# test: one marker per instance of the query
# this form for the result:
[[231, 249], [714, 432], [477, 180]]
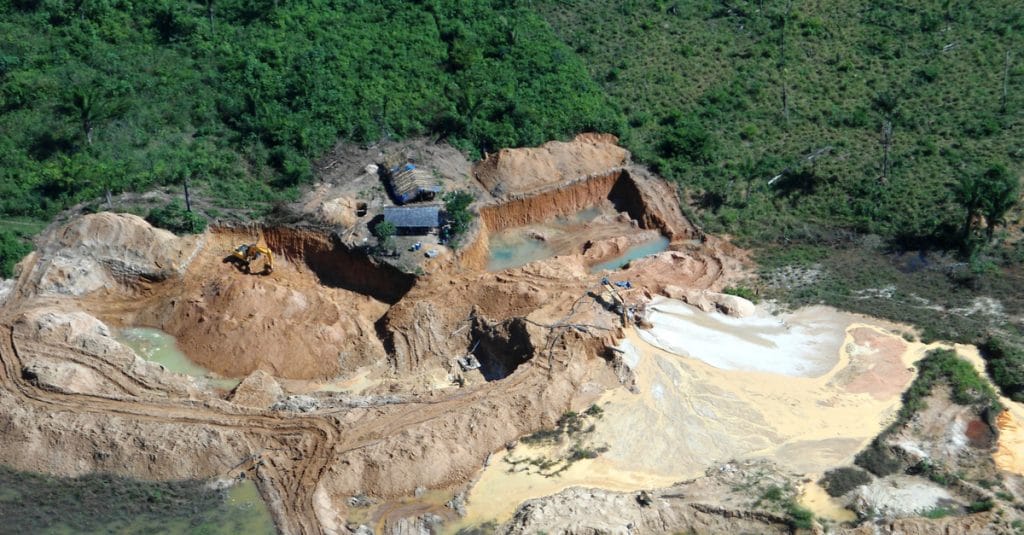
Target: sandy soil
[[353, 384], [515, 171], [687, 409]]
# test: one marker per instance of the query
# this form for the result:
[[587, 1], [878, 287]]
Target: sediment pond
[[157, 346]]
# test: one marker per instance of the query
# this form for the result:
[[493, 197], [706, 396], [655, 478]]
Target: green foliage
[[456, 206], [103, 503], [980, 506], [799, 517], [742, 291], [938, 367], [878, 460], [839, 481], [1005, 363], [938, 512], [384, 230], [176, 219], [990, 194], [385, 233], [126, 96], [13, 247], [944, 366], [709, 111], [772, 494]]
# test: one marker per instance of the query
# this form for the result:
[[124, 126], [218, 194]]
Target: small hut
[[407, 183]]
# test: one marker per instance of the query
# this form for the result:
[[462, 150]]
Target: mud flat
[[801, 344], [689, 415]]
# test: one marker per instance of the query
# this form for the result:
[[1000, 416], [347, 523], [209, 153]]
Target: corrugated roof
[[427, 216]]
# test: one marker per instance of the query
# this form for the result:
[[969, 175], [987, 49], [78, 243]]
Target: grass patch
[[938, 512], [110, 504], [1004, 361]]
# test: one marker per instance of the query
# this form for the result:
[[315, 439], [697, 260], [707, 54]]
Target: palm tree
[[83, 103], [1001, 192], [970, 194]]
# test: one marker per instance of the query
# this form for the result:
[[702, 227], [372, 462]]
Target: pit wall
[[333, 262], [648, 200]]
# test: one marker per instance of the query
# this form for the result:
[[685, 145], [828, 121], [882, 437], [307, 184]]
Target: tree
[[968, 193], [990, 194], [456, 205], [385, 233], [1000, 193], [12, 249]]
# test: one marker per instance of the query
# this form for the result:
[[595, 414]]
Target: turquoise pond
[[639, 250], [157, 346]]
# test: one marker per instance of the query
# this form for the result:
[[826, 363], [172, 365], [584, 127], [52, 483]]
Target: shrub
[[456, 205], [842, 480], [384, 230], [12, 249], [385, 233], [878, 460], [800, 517], [980, 506], [1005, 364], [742, 291], [176, 219]]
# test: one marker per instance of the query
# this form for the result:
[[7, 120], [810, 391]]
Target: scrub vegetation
[[110, 504]]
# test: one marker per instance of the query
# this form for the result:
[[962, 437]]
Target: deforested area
[[511, 267]]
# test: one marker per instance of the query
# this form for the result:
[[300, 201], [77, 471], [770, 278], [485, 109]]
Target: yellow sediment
[[689, 416], [813, 497], [1009, 455]]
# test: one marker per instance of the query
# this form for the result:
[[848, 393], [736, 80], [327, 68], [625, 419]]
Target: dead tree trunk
[[782, 62], [1006, 82], [886, 145], [188, 197]]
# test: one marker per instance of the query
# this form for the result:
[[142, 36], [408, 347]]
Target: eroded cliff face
[[651, 203]]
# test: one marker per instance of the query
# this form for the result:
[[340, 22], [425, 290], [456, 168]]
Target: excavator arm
[[247, 253]]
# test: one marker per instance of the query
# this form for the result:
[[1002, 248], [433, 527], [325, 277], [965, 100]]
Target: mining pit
[[361, 392]]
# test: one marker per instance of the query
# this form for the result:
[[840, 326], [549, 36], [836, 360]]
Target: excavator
[[247, 253]]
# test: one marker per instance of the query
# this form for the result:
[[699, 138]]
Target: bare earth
[[352, 391]]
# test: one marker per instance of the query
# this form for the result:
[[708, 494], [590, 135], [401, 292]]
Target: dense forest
[[240, 96]]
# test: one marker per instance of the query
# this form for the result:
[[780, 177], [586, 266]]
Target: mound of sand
[[516, 171], [105, 249], [264, 323]]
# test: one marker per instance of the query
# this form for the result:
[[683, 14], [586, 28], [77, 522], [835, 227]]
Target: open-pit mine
[[572, 366]]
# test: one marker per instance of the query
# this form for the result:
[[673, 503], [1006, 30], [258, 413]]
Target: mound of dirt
[[516, 171], [234, 325], [104, 250]]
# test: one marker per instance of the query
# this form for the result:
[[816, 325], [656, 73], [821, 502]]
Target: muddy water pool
[[157, 346], [639, 250], [519, 246]]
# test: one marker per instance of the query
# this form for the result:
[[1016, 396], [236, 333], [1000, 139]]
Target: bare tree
[[782, 61], [1006, 82]]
